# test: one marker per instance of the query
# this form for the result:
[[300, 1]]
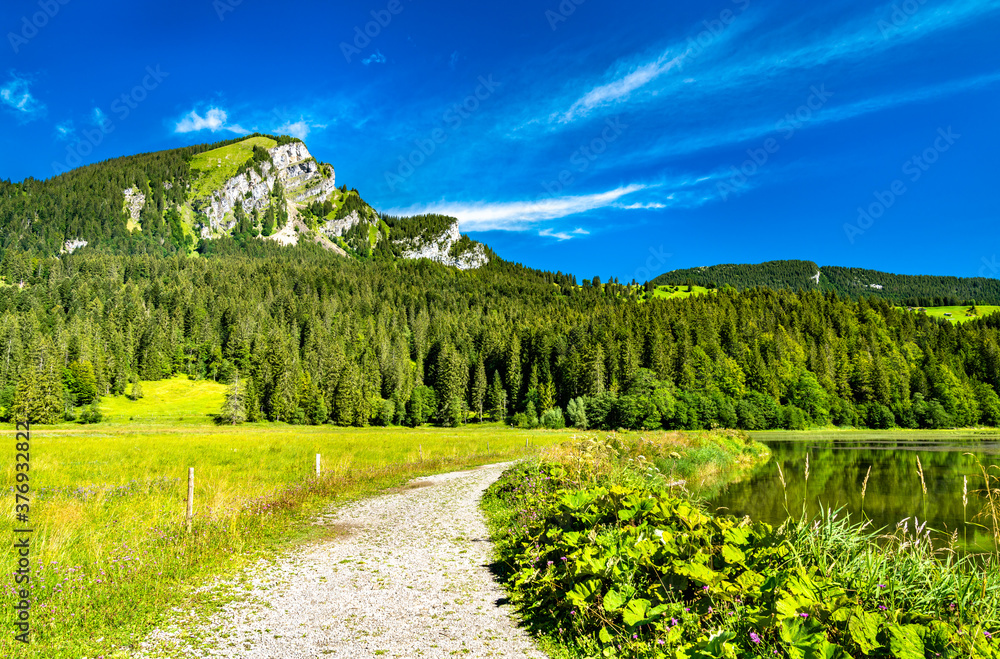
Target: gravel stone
[[409, 579]]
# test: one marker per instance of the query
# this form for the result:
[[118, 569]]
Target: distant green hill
[[855, 283]]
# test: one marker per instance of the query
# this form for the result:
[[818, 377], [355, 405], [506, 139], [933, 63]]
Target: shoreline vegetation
[[607, 554]]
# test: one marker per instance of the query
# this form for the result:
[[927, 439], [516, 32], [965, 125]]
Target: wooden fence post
[[317, 465], [420, 449], [190, 508]]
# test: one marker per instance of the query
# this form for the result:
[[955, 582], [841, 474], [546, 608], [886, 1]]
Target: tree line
[[304, 336], [855, 283]]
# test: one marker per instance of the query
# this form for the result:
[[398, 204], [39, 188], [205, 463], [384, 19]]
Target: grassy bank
[[863, 434], [110, 552], [608, 557]]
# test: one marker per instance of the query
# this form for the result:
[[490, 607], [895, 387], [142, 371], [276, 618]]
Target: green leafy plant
[[606, 569]]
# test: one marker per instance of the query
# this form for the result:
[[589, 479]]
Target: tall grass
[[697, 464], [991, 511], [110, 553]]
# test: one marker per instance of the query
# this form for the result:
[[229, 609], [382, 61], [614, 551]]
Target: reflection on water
[[839, 461]]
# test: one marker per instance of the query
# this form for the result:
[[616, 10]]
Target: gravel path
[[409, 580]]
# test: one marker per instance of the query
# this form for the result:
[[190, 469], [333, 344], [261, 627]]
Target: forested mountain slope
[[911, 290], [243, 262], [251, 188], [316, 338]]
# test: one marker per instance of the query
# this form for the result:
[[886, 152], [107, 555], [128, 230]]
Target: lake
[[838, 462]]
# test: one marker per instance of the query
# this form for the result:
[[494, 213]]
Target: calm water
[[837, 466]]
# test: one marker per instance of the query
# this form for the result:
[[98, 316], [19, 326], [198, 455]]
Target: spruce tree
[[347, 399], [234, 410], [497, 399], [136, 392], [478, 389]]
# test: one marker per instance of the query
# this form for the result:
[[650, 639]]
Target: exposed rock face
[[334, 228], [134, 201], [250, 189], [301, 176], [73, 245], [440, 250], [305, 180]]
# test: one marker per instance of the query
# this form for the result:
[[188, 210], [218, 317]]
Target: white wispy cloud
[[215, 119], [520, 215], [673, 145], [299, 129], [780, 53], [375, 58], [649, 206], [621, 88], [66, 130], [16, 95], [667, 191], [558, 235]]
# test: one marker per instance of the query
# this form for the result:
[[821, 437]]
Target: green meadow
[[961, 314], [219, 165], [110, 551], [678, 292]]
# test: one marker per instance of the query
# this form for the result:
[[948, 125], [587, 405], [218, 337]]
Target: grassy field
[[219, 165], [960, 314], [110, 552], [679, 292]]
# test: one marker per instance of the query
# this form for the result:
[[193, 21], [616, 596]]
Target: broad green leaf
[[576, 500], [699, 572], [636, 613], [583, 591], [750, 580], [905, 641], [737, 536], [733, 554], [863, 627], [613, 600], [787, 607], [626, 514], [604, 635], [807, 641], [658, 610]]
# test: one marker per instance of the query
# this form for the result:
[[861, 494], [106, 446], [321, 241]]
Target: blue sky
[[619, 139]]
